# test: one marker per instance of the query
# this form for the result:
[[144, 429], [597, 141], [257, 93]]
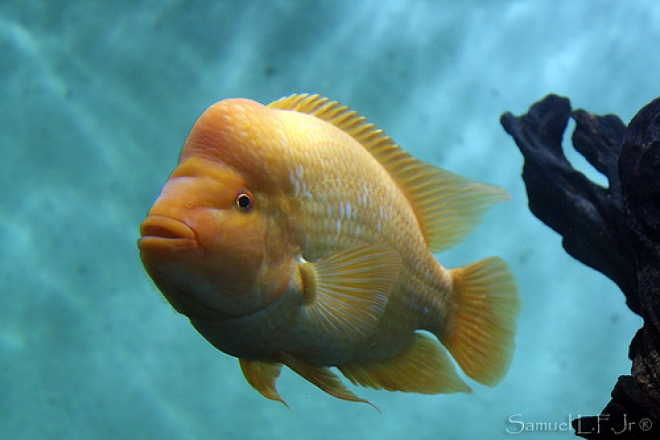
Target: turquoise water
[[97, 99]]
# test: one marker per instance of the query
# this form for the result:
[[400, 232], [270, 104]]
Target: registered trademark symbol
[[645, 424]]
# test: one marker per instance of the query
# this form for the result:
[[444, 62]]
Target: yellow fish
[[299, 234]]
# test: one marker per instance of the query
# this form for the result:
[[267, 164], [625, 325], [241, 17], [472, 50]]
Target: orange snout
[[200, 250]]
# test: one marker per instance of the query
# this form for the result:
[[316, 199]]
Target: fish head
[[210, 241]]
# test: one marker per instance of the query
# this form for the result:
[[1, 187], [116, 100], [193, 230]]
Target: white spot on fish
[[338, 227], [348, 209]]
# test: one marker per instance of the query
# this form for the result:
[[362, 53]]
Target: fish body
[[299, 234]]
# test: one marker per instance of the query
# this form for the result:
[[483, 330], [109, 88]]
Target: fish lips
[[164, 240], [166, 234]]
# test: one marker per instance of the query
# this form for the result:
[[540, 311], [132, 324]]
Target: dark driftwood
[[615, 230]]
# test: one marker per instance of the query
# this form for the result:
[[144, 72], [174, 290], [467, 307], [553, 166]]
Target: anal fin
[[424, 367]]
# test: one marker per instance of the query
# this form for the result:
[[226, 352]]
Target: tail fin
[[480, 335]]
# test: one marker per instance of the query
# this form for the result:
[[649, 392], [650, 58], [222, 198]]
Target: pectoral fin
[[346, 292], [262, 376], [423, 368]]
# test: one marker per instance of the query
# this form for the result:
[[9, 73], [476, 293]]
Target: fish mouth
[[160, 232]]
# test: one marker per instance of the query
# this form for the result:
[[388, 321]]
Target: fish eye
[[244, 201]]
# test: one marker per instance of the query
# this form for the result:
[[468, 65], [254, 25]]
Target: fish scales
[[339, 171], [298, 234]]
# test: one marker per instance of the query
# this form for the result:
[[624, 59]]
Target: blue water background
[[97, 99]]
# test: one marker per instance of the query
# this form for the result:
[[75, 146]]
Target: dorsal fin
[[448, 206]]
